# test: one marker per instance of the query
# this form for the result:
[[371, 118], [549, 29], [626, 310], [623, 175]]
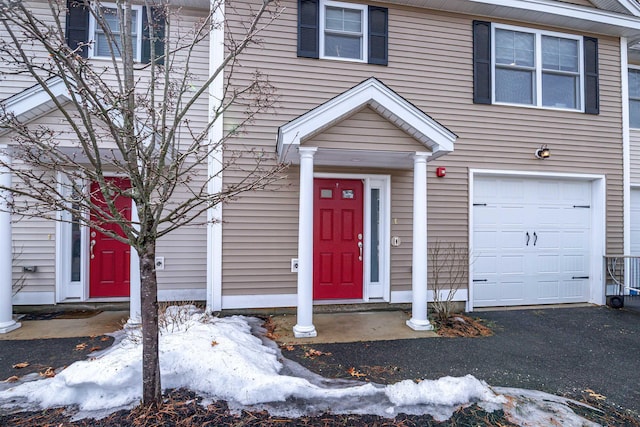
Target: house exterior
[[504, 127]]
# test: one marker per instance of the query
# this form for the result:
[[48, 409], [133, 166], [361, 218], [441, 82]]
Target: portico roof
[[372, 93]]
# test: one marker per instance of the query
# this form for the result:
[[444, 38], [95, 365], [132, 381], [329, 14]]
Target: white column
[[7, 324], [304, 327], [135, 301], [419, 320]]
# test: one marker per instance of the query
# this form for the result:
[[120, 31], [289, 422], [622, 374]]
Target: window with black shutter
[[82, 28], [345, 31], [522, 66]]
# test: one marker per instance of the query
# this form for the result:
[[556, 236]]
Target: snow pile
[[220, 358]]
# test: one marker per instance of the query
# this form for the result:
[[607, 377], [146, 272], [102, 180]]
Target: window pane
[[343, 46], [75, 247], [101, 47], [559, 54], [515, 48], [634, 113], [341, 19], [634, 83], [514, 86], [559, 90], [375, 237]]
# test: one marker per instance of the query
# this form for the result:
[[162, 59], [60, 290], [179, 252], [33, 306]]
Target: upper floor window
[[634, 97], [520, 66], [346, 31], [343, 27], [101, 46], [537, 68], [89, 39]]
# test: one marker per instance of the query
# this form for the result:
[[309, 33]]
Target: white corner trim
[[259, 301], [182, 294], [215, 163], [381, 98], [626, 146], [34, 298]]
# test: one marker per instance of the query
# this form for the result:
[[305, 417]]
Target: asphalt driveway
[[562, 351]]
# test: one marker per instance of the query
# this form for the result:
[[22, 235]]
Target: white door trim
[[381, 290], [598, 221], [66, 290]]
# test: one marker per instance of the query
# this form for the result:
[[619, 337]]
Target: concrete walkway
[[99, 324]]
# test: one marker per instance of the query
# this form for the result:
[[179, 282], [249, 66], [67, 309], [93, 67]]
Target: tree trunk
[[151, 387]]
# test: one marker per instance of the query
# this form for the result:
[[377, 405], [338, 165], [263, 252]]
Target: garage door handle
[[535, 238], [580, 277], [480, 280], [528, 237]]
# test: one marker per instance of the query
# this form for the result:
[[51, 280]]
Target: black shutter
[[157, 13], [591, 84], [77, 30], [308, 27], [481, 62], [378, 35]]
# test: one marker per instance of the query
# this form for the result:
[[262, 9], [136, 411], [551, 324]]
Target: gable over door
[[338, 239]]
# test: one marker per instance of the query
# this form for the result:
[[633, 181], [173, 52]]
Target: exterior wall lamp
[[543, 152]]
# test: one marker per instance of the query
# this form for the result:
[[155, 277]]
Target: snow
[[224, 358]]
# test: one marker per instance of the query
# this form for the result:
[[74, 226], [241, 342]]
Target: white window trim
[[629, 98], [538, 66], [365, 29], [92, 32]]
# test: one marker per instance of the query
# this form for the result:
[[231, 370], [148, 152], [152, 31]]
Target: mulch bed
[[182, 408], [460, 325]]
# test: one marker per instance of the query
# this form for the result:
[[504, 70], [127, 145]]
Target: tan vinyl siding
[[635, 156], [185, 250], [430, 65], [34, 245]]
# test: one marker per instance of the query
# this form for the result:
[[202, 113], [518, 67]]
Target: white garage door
[[531, 240], [635, 221]]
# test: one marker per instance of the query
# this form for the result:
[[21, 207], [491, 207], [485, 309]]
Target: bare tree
[[132, 118], [448, 270]]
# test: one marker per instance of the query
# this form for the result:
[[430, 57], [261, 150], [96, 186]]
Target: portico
[[293, 146]]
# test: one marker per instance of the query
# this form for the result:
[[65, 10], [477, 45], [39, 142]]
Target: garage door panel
[[547, 264], [558, 248], [512, 292], [548, 290], [512, 264], [485, 265]]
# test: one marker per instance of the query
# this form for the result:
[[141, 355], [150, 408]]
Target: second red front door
[[338, 239], [109, 259]]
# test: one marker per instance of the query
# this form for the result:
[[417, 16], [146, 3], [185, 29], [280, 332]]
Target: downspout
[[626, 151]]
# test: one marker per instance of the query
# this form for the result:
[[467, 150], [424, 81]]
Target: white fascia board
[[28, 100], [567, 11], [370, 92]]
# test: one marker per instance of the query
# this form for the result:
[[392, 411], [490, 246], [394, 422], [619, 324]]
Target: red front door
[[337, 239], [108, 258]]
